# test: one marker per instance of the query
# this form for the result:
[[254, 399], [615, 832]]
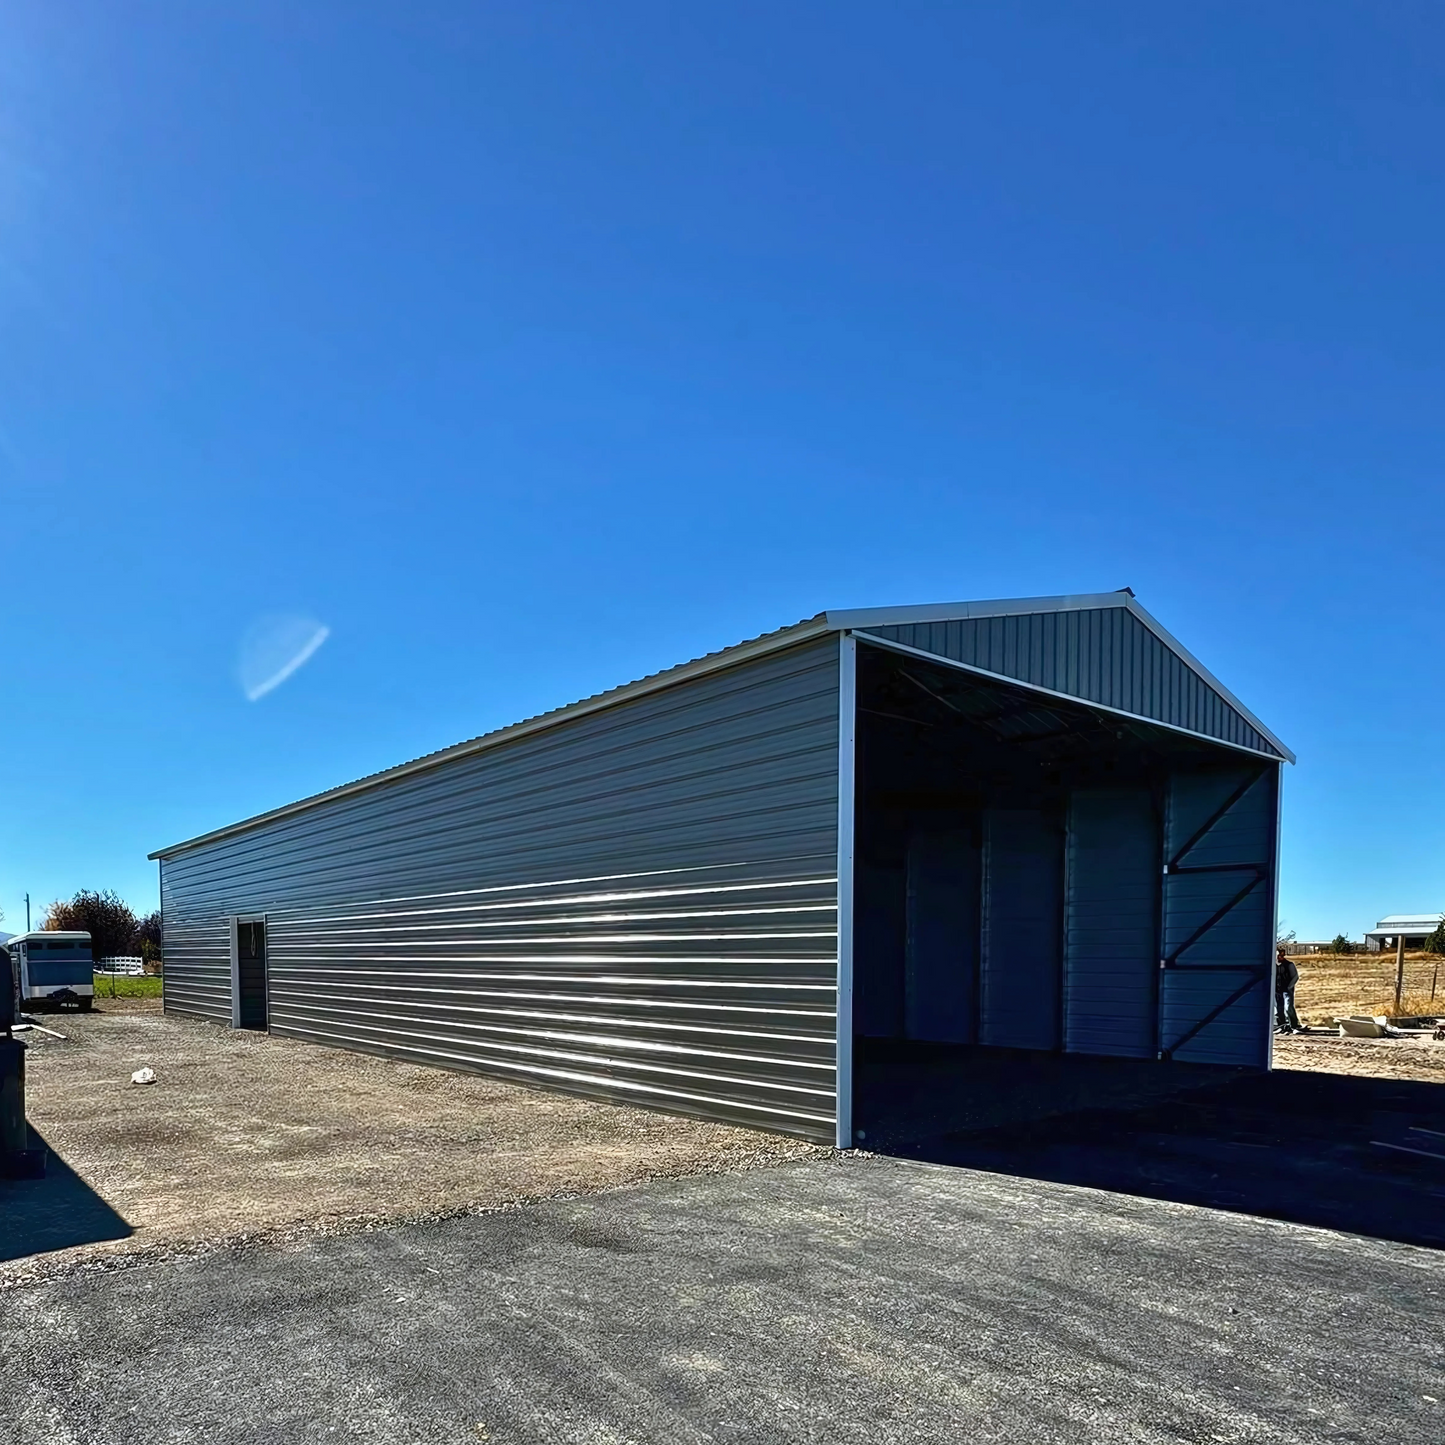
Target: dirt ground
[[246, 1135], [1407, 1058], [1335, 985], [1332, 984]]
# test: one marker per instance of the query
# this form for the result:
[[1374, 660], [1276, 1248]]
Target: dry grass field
[[1332, 984]]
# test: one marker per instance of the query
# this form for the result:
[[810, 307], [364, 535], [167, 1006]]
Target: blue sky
[[531, 347]]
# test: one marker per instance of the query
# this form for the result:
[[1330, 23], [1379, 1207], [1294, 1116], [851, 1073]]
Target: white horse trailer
[[54, 968]]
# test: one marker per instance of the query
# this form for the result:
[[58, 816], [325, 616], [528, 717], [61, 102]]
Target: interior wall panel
[[1111, 944], [1022, 929], [941, 963], [880, 931]]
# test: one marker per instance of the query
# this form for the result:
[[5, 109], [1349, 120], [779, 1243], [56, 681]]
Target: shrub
[[103, 915]]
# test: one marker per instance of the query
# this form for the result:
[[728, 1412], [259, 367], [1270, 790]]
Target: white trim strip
[[1274, 903], [847, 727], [232, 922], [942, 661], [960, 611]]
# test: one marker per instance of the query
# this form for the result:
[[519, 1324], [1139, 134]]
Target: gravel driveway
[[244, 1134], [1411, 1057]]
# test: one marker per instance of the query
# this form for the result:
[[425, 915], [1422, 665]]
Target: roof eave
[[844, 620], [1187, 657], [714, 661]]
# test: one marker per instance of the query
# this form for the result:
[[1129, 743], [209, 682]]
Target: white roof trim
[[959, 611]]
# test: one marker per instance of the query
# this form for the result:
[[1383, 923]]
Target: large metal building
[[1030, 825]]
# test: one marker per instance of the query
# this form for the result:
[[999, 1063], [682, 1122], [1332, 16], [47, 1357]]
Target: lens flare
[[273, 648]]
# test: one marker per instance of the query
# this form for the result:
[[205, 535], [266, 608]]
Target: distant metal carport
[[1034, 824], [1411, 929]]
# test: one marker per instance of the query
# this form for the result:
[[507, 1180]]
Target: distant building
[[1415, 928]]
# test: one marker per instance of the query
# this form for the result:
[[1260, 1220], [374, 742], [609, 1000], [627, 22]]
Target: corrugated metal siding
[[198, 957], [639, 904], [1022, 884], [1111, 957], [1104, 655], [1235, 852]]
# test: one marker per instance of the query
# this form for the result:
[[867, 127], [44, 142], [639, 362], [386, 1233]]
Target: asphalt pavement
[[848, 1299]]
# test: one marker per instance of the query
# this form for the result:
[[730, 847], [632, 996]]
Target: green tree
[[1341, 944], [1436, 941], [104, 915], [149, 938]]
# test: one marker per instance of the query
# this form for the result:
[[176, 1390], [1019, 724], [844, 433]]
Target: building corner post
[[847, 779]]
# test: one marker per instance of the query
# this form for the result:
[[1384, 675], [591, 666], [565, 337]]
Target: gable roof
[[1103, 649], [1406, 923], [1167, 676]]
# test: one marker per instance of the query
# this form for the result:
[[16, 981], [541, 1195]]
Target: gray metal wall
[[1022, 905], [1169, 939], [1220, 834], [1104, 655], [1111, 923], [639, 904], [940, 981]]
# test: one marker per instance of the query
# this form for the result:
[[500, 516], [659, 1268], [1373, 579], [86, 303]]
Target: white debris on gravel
[[143, 1076]]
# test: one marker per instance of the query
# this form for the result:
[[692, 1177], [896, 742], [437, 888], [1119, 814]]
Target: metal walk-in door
[[251, 981]]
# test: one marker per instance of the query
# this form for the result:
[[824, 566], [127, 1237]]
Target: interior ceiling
[[938, 704]]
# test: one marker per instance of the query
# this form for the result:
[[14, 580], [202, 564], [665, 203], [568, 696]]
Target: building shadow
[[57, 1211], [1363, 1155]]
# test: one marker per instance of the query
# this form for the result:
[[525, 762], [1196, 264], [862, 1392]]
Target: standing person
[[1286, 976]]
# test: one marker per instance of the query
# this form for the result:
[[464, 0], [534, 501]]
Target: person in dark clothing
[[1286, 976]]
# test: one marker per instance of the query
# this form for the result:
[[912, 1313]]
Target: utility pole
[[27, 913], [1399, 971]]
